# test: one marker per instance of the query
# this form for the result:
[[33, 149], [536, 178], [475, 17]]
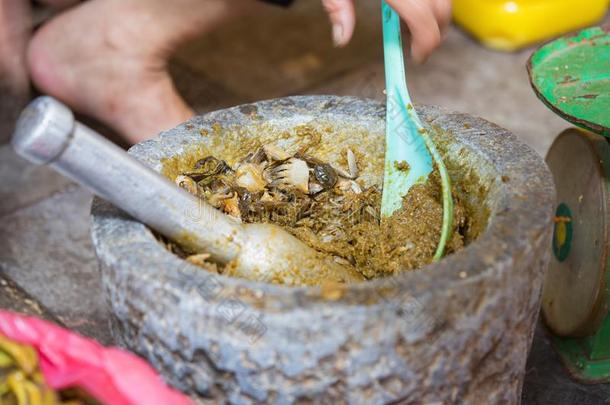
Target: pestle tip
[[43, 130]]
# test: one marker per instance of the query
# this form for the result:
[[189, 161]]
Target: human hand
[[426, 19]]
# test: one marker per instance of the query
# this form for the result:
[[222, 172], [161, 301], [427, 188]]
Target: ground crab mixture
[[326, 206]]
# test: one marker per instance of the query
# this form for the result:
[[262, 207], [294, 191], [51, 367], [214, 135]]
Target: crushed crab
[[323, 203], [187, 183], [275, 153], [325, 175], [250, 177], [351, 164], [352, 167], [349, 186], [292, 173], [315, 188], [270, 184], [230, 206]]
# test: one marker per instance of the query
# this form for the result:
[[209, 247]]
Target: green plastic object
[[410, 152], [571, 75], [587, 359]]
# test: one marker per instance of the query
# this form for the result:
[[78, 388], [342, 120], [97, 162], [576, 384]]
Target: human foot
[[108, 59]]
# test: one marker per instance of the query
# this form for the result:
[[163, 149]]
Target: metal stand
[[570, 76], [576, 296]]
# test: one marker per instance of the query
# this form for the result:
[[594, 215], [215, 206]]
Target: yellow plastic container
[[511, 24]]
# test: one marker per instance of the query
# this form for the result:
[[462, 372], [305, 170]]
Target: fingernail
[[337, 34]]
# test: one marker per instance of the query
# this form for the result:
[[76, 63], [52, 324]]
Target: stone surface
[[45, 248], [273, 51], [13, 298], [458, 330], [548, 382], [23, 184], [200, 91]]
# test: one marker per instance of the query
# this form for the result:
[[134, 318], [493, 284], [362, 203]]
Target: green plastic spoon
[[407, 140]]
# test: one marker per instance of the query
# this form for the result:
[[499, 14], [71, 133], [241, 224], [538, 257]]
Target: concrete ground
[[47, 265]]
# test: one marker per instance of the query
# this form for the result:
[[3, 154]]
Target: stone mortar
[[455, 331]]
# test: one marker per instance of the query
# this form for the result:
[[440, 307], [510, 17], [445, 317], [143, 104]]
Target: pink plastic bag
[[110, 375]]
